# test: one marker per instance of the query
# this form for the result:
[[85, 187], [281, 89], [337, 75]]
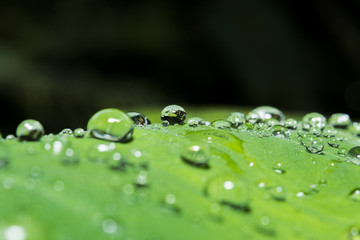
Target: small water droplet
[[278, 193], [279, 168], [196, 121], [139, 118], [353, 156], [355, 129], [267, 112], [329, 132], [236, 118], [315, 120], [315, 131], [333, 142], [170, 198], [228, 189], [342, 152], [66, 132], [291, 123], [79, 132], [15, 232], [111, 125], [252, 117], [221, 124], [173, 114], [354, 233], [300, 194], [109, 226], [196, 155], [10, 137], [58, 186], [312, 144], [30, 130], [247, 126], [141, 180], [339, 120], [355, 195], [280, 132]]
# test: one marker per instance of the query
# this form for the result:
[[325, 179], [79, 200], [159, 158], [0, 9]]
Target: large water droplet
[[353, 156], [29, 130], [196, 155], [236, 118], [228, 189], [267, 112], [315, 120], [221, 124], [340, 120], [313, 144], [111, 125], [173, 114], [139, 118]]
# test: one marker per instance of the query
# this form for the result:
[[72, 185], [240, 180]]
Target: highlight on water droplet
[[79, 132], [196, 155]]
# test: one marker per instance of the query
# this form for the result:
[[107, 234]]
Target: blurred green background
[[61, 61]]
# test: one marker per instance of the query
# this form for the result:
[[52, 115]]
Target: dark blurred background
[[61, 61]]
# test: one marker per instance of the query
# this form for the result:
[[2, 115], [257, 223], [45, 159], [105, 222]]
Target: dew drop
[[315, 131], [278, 193], [329, 131], [141, 180], [355, 195], [340, 120], [196, 121], [30, 130], [111, 125], [272, 122], [267, 112], [333, 142], [353, 156], [196, 155], [139, 118], [173, 114], [312, 144], [342, 152], [66, 132], [291, 123], [236, 119], [279, 168], [10, 137], [315, 120], [280, 132], [109, 226], [355, 129], [15, 233], [252, 117], [228, 189], [79, 132], [221, 124]]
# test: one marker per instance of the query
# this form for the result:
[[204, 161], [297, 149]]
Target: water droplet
[[173, 114], [280, 132], [267, 112], [313, 144], [195, 121], [109, 226], [354, 233], [300, 194], [279, 168], [170, 199], [236, 118], [291, 123], [278, 193], [329, 131], [68, 156], [10, 137], [114, 160], [111, 125], [247, 126], [128, 189], [58, 186], [196, 155], [333, 142], [272, 122], [141, 180], [340, 120], [29, 130], [315, 131], [221, 124], [355, 195], [228, 189], [252, 117], [342, 152], [315, 120], [35, 171], [355, 128], [139, 118], [353, 156], [66, 132], [79, 132], [15, 233]]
